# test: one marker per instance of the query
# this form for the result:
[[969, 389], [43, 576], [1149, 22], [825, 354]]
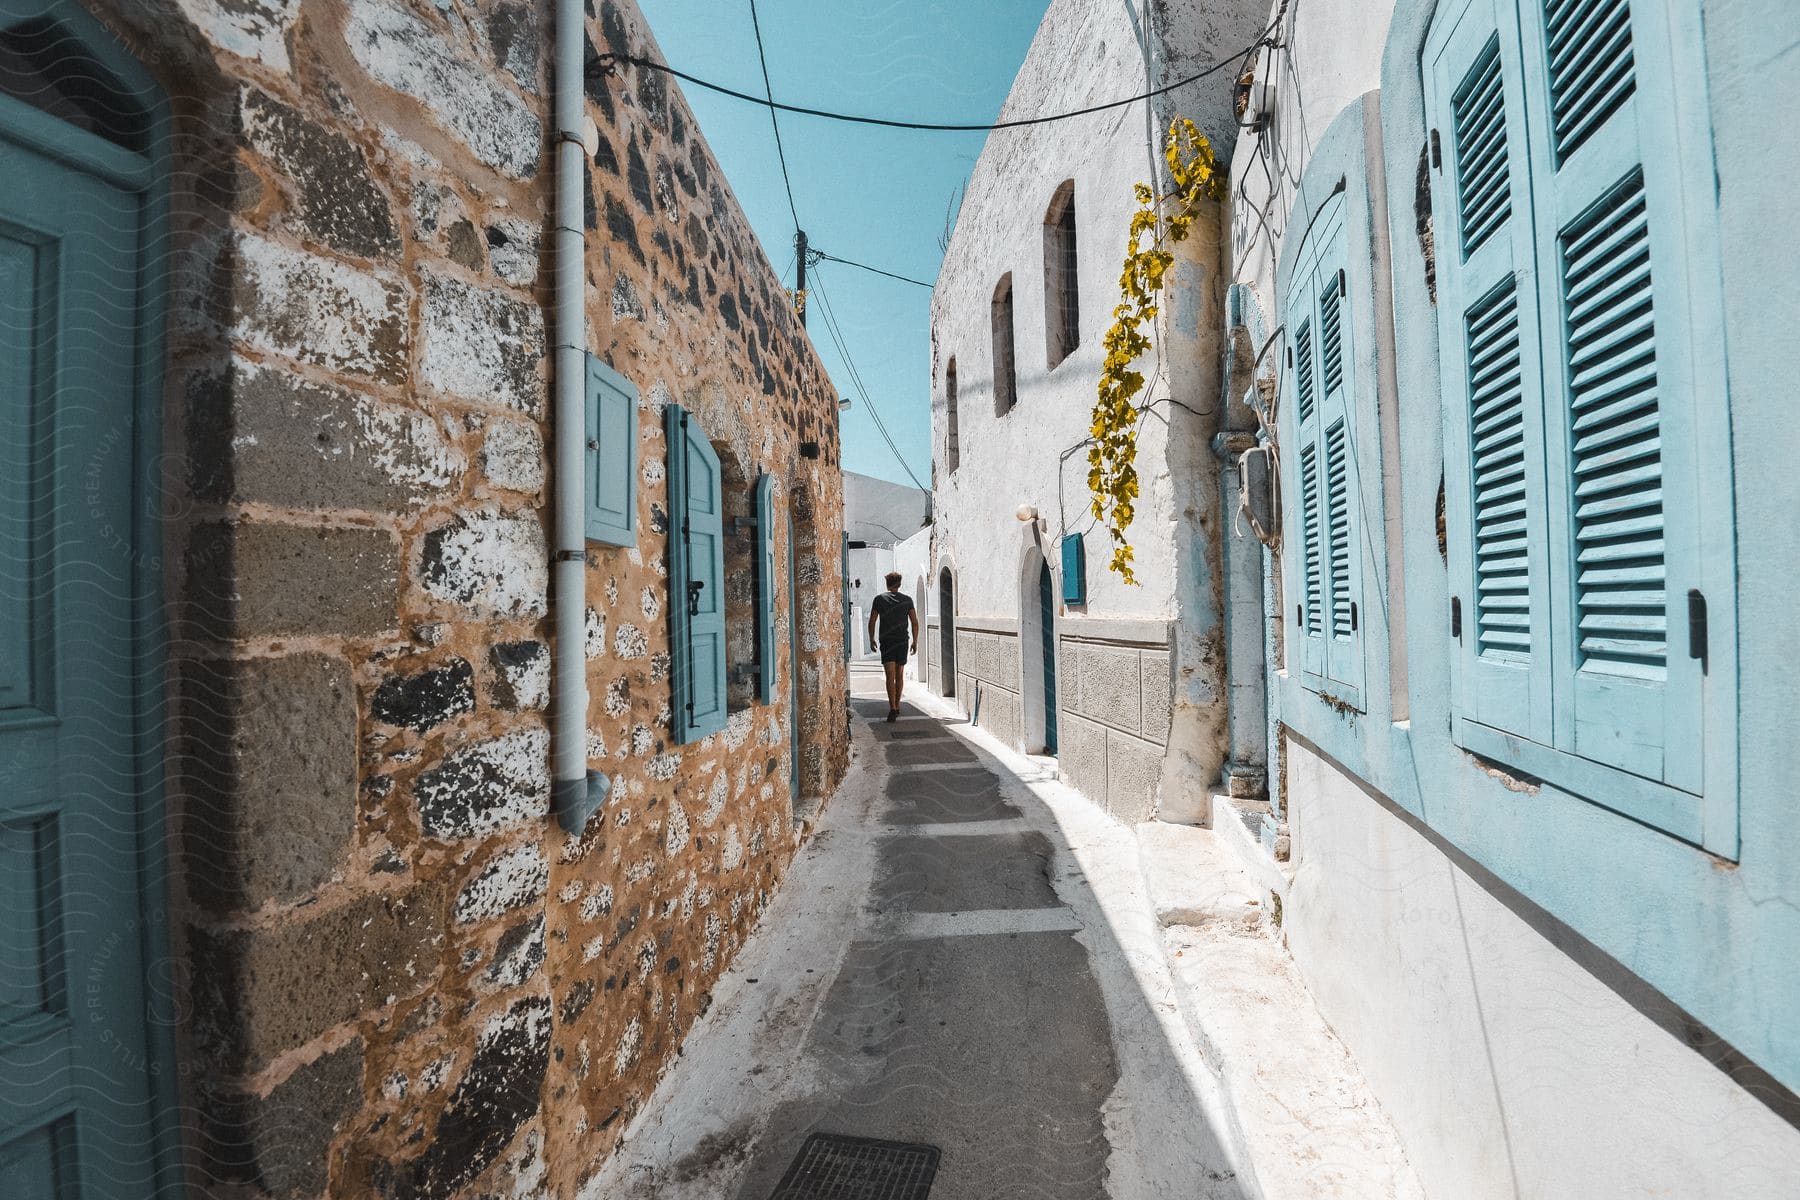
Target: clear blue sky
[[874, 195]]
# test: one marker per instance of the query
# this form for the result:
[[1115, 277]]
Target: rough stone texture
[[263, 991], [483, 345], [1081, 755], [487, 788], [259, 579], [262, 435], [318, 310], [1111, 686], [272, 771], [1154, 694], [280, 1140], [1133, 769], [489, 562], [512, 456], [427, 698], [416, 59], [359, 453], [335, 198]]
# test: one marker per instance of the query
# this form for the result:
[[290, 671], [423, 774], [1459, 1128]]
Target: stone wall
[[1114, 698], [987, 659], [402, 978]]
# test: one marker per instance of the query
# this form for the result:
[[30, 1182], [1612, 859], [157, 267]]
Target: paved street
[[953, 961]]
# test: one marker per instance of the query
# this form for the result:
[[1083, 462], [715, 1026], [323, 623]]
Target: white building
[[1523, 665], [878, 515], [1124, 684]]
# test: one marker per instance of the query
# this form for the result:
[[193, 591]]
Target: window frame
[[1062, 277], [1660, 134], [1003, 331]]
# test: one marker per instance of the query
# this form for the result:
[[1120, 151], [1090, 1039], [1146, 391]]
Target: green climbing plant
[[1158, 223]]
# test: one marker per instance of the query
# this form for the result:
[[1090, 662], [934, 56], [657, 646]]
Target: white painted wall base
[[1509, 1069]]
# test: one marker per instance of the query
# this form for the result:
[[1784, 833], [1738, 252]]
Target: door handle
[[695, 586]]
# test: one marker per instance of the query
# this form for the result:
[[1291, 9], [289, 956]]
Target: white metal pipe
[[574, 794]]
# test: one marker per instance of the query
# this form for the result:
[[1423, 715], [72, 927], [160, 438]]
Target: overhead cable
[[831, 327], [605, 61], [819, 256], [773, 122]]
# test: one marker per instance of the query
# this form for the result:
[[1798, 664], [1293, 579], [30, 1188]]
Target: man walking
[[892, 610]]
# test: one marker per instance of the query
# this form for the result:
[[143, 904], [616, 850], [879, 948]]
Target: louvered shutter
[[696, 580], [611, 458], [1620, 384], [1342, 500], [1491, 377], [765, 588], [1309, 589]]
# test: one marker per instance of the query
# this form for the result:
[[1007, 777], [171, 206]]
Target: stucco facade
[[1550, 997], [1165, 730], [391, 973]]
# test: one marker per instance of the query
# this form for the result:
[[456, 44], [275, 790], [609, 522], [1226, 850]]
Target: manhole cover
[[834, 1167]]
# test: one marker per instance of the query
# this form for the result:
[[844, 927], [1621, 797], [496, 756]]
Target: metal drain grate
[[833, 1167]]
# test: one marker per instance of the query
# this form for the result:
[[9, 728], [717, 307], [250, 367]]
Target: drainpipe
[[575, 791]]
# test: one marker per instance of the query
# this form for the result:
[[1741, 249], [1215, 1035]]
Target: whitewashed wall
[[1034, 455]]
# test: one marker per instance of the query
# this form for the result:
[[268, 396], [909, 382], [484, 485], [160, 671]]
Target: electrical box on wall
[[1256, 494], [1074, 569]]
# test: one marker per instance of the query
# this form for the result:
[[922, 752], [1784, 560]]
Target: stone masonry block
[[262, 435], [491, 562], [1153, 666], [1133, 771], [336, 200], [318, 310], [1068, 674], [498, 784], [264, 991], [256, 579], [422, 61], [1081, 754], [1110, 686], [272, 806], [1005, 652], [1001, 714], [281, 1140], [482, 344]]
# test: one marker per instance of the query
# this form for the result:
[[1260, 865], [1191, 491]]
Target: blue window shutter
[[766, 655], [1494, 478], [1074, 569], [696, 580], [612, 456], [1342, 499], [1310, 583], [1622, 199]]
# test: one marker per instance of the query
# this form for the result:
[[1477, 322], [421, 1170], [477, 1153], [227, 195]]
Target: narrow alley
[[966, 957]]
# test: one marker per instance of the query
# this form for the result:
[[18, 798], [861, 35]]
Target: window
[[952, 444], [1589, 587], [610, 504], [696, 580], [1062, 292], [1006, 383], [1328, 609]]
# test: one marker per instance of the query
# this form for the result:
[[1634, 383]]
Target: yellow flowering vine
[[1159, 223]]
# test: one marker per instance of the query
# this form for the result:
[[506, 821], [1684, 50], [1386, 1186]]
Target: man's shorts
[[893, 652]]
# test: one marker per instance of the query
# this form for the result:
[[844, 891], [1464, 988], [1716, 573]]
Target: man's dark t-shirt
[[893, 632]]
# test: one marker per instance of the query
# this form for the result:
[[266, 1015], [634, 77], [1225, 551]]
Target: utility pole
[[800, 273]]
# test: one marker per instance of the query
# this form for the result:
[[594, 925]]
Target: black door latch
[[695, 586]]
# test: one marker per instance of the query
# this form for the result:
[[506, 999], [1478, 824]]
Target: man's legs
[[896, 683]]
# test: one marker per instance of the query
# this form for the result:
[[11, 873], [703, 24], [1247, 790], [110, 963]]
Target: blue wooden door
[[793, 591], [1047, 629], [696, 579], [77, 1105]]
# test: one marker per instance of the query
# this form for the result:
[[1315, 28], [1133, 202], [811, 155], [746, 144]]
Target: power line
[[837, 338], [773, 122], [604, 61], [819, 256]]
